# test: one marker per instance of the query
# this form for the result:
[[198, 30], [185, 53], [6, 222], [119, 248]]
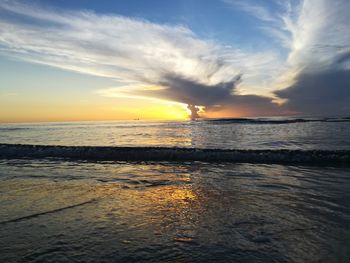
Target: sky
[[120, 60]]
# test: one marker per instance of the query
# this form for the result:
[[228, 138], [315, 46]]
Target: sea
[[223, 190]]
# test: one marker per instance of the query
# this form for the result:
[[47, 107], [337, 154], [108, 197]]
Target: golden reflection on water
[[169, 198], [148, 192], [158, 208], [159, 198]]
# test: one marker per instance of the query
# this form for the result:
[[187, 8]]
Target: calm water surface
[[197, 134]]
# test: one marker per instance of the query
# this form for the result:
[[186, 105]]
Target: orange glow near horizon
[[102, 111], [45, 108]]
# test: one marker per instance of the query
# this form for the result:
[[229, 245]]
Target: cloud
[[215, 97], [273, 20], [319, 58], [135, 52], [195, 110], [189, 91], [171, 63], [316, 35], [258, 11], [320, 93]]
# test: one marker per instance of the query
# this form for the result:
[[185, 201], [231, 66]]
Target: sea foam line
[[110, 153]]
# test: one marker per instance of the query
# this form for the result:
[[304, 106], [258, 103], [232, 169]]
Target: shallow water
[[273, 133], [56, 210]]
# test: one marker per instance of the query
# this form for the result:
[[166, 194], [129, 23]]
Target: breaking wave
[[319, 157]]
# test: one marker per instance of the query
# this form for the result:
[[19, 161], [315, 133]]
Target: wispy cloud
[[276, 22], [258, 11], [170, 62], [133, 51], [316, 35], [319, 33], [319, 57]]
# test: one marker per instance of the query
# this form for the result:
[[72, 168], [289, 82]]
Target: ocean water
[[259, 133], [57, 209]]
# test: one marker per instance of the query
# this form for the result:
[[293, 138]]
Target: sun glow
[[171, 111], [102, 109]]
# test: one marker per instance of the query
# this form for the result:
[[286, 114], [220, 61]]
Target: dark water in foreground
[[55, 210]]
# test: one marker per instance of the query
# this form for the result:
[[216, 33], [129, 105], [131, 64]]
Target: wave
[[101, 153], [276, 121], [13, 128]]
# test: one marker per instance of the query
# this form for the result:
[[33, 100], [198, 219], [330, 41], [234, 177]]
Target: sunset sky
[[157, 59]]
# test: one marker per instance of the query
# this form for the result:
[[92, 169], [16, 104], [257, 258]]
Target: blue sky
[[207, 18], [231, 56]]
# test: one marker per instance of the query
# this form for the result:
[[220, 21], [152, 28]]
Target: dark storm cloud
[[325, 91], [212, 97], [191, 92], [194, 111]]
